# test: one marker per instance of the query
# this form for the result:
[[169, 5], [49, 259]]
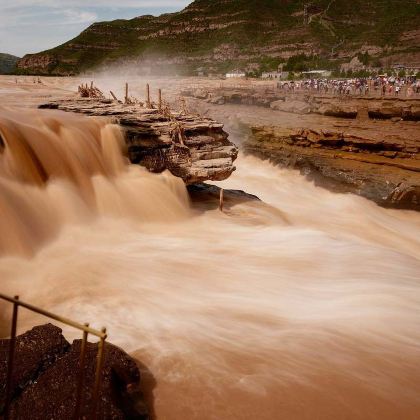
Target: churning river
[[305, 308]]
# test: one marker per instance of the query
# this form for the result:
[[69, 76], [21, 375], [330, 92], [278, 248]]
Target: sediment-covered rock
[[191, 147], [237, 96], [294, 106], [406, 110], [337, 109], [385, 170]]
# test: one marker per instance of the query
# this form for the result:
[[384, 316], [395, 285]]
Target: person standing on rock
[[409, 91]]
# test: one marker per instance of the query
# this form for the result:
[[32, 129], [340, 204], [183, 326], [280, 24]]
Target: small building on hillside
[[316, 73], [413, 68], [235, 74], [275, 75], [200, 71]]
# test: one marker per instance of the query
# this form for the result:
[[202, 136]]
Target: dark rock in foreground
[[36, 351], [46, 372]]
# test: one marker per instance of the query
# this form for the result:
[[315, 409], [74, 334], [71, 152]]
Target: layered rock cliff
[[219, 35], [191, 147], [374, 107], [369, 146], [385, 169]]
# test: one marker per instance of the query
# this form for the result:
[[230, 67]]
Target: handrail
[[58, 318], [102, 335]]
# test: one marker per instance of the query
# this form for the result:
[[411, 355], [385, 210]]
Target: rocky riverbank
[[310, 103], [191, 147], [384, 170], [45, 378], [371, 147], [340, 148]]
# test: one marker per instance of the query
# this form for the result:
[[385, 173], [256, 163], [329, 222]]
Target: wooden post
[[112, 94], [91, 84], [148, 96], [181, 135], [126, 93], [160, 99], [221, 199]]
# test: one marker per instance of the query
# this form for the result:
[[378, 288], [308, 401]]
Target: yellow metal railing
[[82, 327]]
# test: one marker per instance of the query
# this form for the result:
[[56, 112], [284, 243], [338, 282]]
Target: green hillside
[[7, 63], [218, 35]]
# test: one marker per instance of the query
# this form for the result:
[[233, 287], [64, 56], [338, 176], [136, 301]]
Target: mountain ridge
[[221, 35], [7, 63]]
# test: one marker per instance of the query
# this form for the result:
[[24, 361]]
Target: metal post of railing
[[51, 315], [80, 383], [98, 374], [12, 345]]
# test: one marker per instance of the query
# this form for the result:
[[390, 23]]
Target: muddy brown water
[[238, 315]]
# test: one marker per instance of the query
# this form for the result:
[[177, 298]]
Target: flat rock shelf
[[384, 169], [191, 147]]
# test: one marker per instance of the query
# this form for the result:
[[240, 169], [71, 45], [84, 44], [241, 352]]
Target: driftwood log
[[194, 148], [91, 91]]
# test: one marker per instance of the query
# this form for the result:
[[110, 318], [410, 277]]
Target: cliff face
[[219, 35], [383, 169], [193, 148], [363, 145]]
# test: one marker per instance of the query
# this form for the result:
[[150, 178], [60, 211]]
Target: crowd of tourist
[[373, 86]]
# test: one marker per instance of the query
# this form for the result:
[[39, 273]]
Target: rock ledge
[[191, 147]]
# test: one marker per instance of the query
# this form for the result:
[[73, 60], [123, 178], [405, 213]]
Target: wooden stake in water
[[148, 104], [160, 99], [221, 199], [126, 93]]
